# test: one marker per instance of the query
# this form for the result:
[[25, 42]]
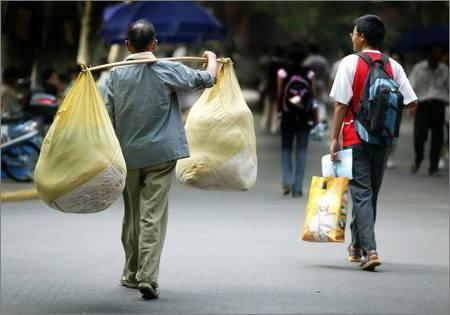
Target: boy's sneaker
[[371, 261], [354, 253], [126, 282], [148, 291]]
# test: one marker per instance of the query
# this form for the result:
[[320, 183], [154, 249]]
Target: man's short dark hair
[[373, 29], [140, 34]]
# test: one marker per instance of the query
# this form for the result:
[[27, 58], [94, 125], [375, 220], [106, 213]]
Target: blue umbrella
[[175, 21]]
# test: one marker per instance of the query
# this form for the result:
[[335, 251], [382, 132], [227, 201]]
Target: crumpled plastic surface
[[81, 168], [326, 210], [221, 136]]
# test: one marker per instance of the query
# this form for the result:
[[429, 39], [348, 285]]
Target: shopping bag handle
[[84, 68]]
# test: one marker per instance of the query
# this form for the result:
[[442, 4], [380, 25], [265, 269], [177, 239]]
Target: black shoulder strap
[[366, 57]]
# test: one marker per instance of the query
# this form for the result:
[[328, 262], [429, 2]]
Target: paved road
[[236, 252]]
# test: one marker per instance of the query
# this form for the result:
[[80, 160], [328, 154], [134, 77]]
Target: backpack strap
[[366, 57], [385, 59]]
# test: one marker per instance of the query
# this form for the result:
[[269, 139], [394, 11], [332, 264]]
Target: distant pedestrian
[[369, 159], [275, 61], [298, 113], [51, 82], [146, 116], [10, 104], [321, 67], [430, 80]]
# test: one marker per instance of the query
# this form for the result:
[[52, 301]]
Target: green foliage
[[329, 22]]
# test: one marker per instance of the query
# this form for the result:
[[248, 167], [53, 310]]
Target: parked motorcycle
[[20, 148]]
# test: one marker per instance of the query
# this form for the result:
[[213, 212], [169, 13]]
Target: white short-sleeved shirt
[[430, 84], [342, 90]]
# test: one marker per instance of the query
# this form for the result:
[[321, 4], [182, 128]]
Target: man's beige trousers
[[145, 220]]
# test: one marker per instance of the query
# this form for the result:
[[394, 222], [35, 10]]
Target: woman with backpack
[[298, 114]]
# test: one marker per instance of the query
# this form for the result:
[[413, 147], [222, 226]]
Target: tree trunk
[[83, 45]]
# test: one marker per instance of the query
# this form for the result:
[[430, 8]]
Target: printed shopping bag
[[326, 210]]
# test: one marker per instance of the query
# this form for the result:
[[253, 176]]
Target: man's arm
[[181, 78], [339, 114]]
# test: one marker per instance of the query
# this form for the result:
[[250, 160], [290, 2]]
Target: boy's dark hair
[[140, 34], [297, 52], [373, 29]]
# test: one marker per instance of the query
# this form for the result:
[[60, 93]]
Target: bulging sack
[[81, 168], [221, 138], [326, 210]]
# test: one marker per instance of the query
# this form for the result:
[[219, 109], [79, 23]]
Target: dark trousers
[[429, 115], [369, 162]]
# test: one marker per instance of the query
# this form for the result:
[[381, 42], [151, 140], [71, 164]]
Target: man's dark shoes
[[354, 253], [370, 261], [149, 292], [129, 283]]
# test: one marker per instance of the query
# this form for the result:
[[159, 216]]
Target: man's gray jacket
[[142, 102]]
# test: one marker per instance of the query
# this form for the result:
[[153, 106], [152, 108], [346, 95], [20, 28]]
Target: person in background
[[10, 106], [274, 61], [51, 82], [369, 160], [298, 113], [430, 80], [69, 78], [321, 67], [144, 110]]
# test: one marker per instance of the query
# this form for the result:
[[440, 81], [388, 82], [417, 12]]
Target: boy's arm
[[338, 118]]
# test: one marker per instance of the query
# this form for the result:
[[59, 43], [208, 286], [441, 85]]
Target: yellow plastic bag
[[81, 168], [326, 210], [221, 138]]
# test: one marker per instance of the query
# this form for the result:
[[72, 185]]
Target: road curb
[[19, 195]]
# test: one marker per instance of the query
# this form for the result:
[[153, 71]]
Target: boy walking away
[[141, 100], [370, 149], [298, 112]]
